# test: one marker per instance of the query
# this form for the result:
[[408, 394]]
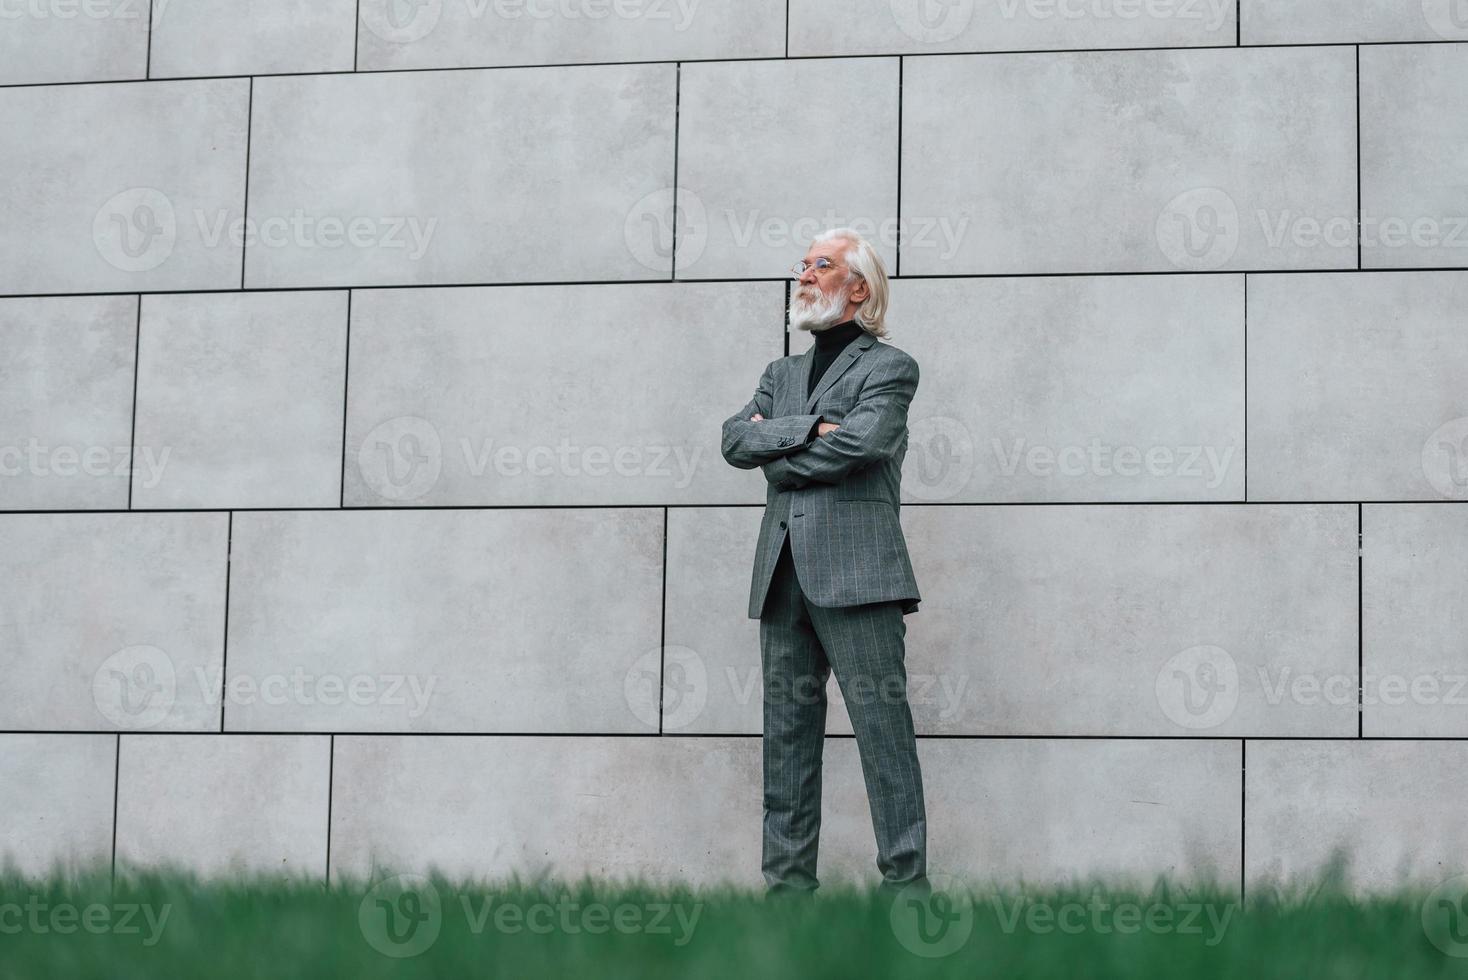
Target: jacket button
[[782, 525]]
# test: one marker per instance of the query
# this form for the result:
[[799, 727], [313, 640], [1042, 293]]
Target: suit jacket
[[837, 495]]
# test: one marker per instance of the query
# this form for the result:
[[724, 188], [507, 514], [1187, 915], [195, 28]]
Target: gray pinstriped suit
[[832, 581]]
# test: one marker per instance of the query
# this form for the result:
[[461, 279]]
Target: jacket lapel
[[838, 367]]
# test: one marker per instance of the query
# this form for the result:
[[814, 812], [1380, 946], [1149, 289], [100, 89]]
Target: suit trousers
[[801, 643]]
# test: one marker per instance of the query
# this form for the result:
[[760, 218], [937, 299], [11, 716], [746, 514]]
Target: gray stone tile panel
[[1129, 161], [225, 37], [159, 209], [224, 805], [58, 802], [240, 400], [478, 33], [1389, 808], [112, 622], [1356, 387], [66, 398], [856, 27], [437, 177], [445, 620], [1414, 654], [759, 174]]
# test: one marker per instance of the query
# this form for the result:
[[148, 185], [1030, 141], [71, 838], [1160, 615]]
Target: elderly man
[[832, 578]]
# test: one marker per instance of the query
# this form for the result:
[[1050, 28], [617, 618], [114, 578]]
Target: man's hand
[[821, 427]]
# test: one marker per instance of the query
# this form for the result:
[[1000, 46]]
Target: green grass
[[175, 924]]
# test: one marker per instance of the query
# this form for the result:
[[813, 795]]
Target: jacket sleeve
[[749, 444], [871, 431]]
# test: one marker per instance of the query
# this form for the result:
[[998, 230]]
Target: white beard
[[818, 313]]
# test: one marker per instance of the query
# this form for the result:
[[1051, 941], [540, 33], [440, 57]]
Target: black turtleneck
[[828, 343]]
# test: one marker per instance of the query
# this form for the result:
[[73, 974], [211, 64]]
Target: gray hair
[[862, 260]]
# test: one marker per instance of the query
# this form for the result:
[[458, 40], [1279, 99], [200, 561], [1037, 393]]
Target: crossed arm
[[749, 443], [790, 453]]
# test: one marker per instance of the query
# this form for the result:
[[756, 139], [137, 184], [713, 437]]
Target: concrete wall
[[417, 324]]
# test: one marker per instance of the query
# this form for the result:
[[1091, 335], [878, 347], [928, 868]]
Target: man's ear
[[859, 293]]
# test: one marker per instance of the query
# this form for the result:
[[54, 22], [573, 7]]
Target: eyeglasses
[[820, 265]]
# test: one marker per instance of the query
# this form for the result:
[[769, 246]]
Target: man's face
[[820, 298]]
